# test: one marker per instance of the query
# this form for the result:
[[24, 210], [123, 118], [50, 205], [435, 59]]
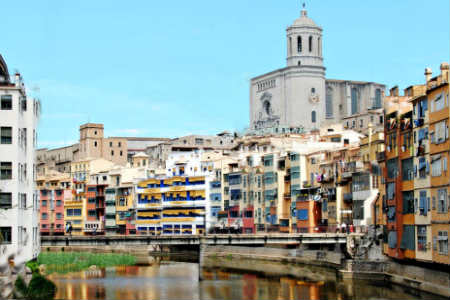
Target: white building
[[18, 200], [298, 97]]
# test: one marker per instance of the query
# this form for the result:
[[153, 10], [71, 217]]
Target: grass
[[64, 262]]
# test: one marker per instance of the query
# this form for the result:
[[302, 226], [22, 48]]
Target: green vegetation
[[229, 256], [33, 265], [64, 262], [39, 288]]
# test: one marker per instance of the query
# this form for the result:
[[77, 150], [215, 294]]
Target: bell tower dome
[[304, 42]]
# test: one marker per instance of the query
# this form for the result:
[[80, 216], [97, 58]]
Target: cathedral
[[298, 97]]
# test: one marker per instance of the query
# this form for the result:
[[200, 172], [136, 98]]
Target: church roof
[[304, 20]]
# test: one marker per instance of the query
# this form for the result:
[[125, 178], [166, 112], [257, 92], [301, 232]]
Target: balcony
[[381, 156], [93, 226], [287, 196], [348, 197], [287, 178]]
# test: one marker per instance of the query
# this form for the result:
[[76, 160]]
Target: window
[[58, 203], [6, 102], [329, 103], [361, 123], [58, 216], [110, 144], [302, 214], [121, 153], [355, 104], [44, 203], [6, 135], [408, 169], [299, 44], [120, 144], [442, 201], [313, 116], [5, 200], [5, 170], [441, 132], [381, 119], [310, 44], [73, 212], [443, 242], [44, 216], [112, 152], [5, 235], [408, 238], [392, 168], [92, 213], [439, 102], [390, 190], [423, 203], [436, 166], [408, 202], [422, 238], [319, 47], [377, 103], [95, 144]]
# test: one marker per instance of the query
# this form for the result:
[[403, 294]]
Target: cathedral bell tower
[[304, 42]]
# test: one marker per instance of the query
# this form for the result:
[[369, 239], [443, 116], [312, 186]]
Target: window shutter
[[444, 164], [434, 202], [434, 243], [415, 171], [427, 168], [416, 207], [428, 208]]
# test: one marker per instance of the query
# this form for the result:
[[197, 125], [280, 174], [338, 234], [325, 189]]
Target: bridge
[[210, 239]]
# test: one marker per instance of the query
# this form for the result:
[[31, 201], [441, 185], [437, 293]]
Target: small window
[[120, 144], [110, 144], [310, 43], [5, 170], [95, 132], [58, 216], [313, 90], [361, 123], [95, 144], [121, 153], [6, 102], [6, 135], [5, 200], [5, 232], [44, 203], [92, 213], [112, 152], [299, 63], [44, 216], [299, 44], [313, 116]]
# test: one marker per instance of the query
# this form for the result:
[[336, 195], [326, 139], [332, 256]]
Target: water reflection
[[176, 280]]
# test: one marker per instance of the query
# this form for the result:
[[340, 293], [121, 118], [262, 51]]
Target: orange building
[[438, 100]]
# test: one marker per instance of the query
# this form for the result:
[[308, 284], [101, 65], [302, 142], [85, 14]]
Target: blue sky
[[170, 68]]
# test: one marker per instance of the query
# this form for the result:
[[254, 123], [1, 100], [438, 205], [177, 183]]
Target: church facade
[[299, 98]]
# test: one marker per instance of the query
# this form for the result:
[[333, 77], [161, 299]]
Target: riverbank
[[253, 259], [65, 262]]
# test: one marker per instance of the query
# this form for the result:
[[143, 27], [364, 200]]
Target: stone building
[[298, 97]]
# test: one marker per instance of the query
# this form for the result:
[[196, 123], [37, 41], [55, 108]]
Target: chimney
[[17, 79], [427, 74], [394, 91], [444, 71]]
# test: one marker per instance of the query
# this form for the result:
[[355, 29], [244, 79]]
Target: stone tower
[[91, 140]]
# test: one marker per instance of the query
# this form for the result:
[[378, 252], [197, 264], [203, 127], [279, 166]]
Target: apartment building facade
[[19, 220]]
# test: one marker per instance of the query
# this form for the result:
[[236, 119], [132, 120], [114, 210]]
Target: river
[[180, 280]]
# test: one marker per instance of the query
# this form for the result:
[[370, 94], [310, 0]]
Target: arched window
[[299, 44], [310, 43], [299, 63], [319, 47], [313, 116], [354, 101], [377, 103], [290, 46], [329, 103]]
